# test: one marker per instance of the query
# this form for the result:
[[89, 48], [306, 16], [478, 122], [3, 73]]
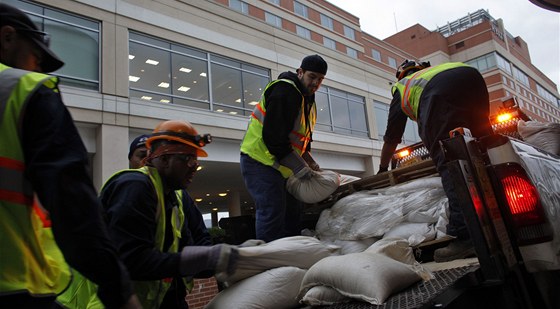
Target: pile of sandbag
[[545, 136], [415, 210], [269, 276]]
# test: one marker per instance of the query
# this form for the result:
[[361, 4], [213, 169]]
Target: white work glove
[[222, 259], [294, 162], [312, 186]]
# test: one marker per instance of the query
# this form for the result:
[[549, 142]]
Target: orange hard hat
[[180, 131]]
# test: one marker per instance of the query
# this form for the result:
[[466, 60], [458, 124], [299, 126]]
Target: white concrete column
[[111, 152], [234, 206]]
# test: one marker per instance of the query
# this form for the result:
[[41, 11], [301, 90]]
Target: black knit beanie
[[314, 63]]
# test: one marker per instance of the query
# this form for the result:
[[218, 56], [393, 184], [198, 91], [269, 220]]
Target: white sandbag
[[545, 136], [349, 246], [370, 214], [315, 189], [344, 179], [323, 296], [274, 288], [395, 248], [366, 276], [409, 230], [297, 251]]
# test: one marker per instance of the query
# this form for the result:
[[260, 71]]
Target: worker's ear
[[7, 36]]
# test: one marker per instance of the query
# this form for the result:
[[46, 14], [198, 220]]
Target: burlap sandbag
[[315, 189]]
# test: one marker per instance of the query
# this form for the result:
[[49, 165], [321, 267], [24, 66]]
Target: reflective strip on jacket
[[30, 260], [410, 87], [82, 293], [253, 144]]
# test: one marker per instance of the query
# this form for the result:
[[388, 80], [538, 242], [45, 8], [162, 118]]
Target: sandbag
[[297, 251], [275, 288], [545, 136], [318, 187], [365, 276], [323, 296]]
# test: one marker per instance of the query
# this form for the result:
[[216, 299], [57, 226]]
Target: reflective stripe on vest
[[30, 260], [82, 293], [410, 87], [300, 135]]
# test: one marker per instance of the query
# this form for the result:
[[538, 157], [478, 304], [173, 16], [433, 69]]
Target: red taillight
[[529, 221], [521, 195]]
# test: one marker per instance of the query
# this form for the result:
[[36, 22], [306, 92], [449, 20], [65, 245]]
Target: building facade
[[131, 64]]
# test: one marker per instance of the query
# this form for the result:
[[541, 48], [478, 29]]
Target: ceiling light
[[164, 101], [152, 62], [163, 85], [233, 113], [133, 78], [220, 110], [253, 103], [203, 74], [238, 101], [207, 194], [199, 168], [194, 82], [214, 209], [198, 200], [183, 88], [130, 57], [145, 97], [222, 194], [186, 70]]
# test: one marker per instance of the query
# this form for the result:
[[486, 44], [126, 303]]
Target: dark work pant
[[26, 301], [278, 213], [453, 98]]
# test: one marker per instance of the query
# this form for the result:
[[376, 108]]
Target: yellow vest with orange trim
[[410, 87], [30, 260], [300, 136], [82, 293]]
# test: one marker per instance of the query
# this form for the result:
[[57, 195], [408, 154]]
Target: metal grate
[[417, 295]]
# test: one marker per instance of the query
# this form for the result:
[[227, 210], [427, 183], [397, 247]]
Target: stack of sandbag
[[545, 136], [415, 210], [269, 275], [385, 268]]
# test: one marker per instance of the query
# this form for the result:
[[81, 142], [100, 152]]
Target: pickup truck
[[510, 193]]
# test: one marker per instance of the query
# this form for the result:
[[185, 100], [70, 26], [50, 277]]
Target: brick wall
[[203, 291]]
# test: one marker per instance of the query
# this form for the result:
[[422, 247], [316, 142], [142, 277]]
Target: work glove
[[382, 169], [222, 259], [294, 162], [310, 161]]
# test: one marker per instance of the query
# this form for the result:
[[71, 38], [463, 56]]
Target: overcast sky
[[538, 27]]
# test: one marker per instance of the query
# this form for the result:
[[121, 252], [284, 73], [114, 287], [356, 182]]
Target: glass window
[[382, 113], [239, 6], [376, 55], [381, 116], [300, 9], [303, 32], [341, 112], [327, 22], [351, 52], [349, 33], [276, 2], [74, 39], [273, 19], [392, 62], [329, 43], [165, 73]]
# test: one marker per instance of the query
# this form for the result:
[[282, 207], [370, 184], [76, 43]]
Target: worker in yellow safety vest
[[46, 193]]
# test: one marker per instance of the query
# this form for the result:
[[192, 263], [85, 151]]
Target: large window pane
[[163, 72], [381, 115]]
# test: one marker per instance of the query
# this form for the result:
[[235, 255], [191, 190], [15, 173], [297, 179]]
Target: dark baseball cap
[[11, 16], [137, 143]]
